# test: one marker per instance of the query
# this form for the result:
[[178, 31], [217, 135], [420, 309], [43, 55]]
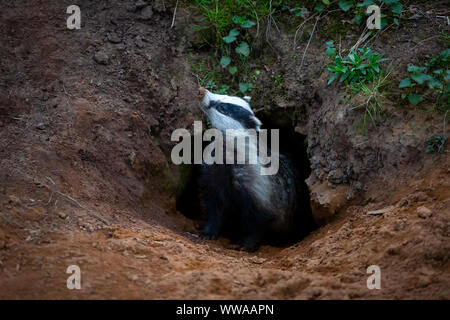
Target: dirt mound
[[86, 118]]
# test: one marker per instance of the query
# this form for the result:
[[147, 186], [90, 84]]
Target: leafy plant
[[434, 76], [360, 66], [231, 21]]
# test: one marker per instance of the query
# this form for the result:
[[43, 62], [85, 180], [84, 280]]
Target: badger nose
[[201, 92]]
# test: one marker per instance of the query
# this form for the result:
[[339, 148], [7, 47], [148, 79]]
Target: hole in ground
[[292, 144]]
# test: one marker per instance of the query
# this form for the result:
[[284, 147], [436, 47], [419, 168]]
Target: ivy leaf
[[231, 36], [433, 83], [247, 24], [331, 51], [244, 87], [345, 5], [224, 61], [243, 49], [420, 78], [415, 69], [237, 19], [232, 70], [405, 83], [414, 98]]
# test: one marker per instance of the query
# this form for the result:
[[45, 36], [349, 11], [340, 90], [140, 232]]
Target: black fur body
[[248, 207]]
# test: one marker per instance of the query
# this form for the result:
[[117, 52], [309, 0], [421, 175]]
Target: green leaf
[[420, 78], [238, 20], [223, 89], [445, 54], [333, 77], [231, 36], [345, 5], [232, 70], [366, 3], [224, 61], [383, 22], [414, 98], [326, 2], [405, 83], [243, 49], [415, 69], [244, 87], [433, 83], [247, 24], [318, 8], [396, 8], [331, 51]]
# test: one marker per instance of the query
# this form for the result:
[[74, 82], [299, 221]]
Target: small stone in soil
[[101, 58], [113, 38], [40, 126], [147, 13], [424, 212]]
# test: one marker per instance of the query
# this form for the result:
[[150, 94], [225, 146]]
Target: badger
[[237, 198]]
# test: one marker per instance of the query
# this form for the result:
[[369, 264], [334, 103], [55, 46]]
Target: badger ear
[[247, 98]]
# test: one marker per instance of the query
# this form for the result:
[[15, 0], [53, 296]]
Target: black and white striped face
[[228, 112]]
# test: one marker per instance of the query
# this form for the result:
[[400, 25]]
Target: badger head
[[228, 112]]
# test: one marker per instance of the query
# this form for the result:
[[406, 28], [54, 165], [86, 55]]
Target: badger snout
[[204, 97], [201, 92]]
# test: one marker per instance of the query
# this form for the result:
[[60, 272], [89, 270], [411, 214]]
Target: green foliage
[[392, 9], [435, 143], [243, 49], [231, 22], [244, 87], [232, 36], [373, 96], [359, 9], [361, 72], [434, 77], [360, 66]]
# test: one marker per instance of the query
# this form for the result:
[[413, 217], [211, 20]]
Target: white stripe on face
[[209, 96]]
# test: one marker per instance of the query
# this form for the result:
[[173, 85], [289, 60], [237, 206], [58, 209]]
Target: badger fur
[[238, 197]]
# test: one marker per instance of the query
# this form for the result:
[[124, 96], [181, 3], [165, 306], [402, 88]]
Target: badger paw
[[209, 235], [248, 245]]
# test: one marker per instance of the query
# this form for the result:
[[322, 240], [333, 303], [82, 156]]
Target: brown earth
[[86, 179]]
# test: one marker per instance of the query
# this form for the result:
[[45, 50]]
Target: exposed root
[[174, 15], [309, 41], [300, 27], [53, 191]]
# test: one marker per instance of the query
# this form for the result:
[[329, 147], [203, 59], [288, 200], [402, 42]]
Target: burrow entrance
[[292, 144]]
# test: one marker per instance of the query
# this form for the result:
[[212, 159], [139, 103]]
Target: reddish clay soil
[[86, 179]]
